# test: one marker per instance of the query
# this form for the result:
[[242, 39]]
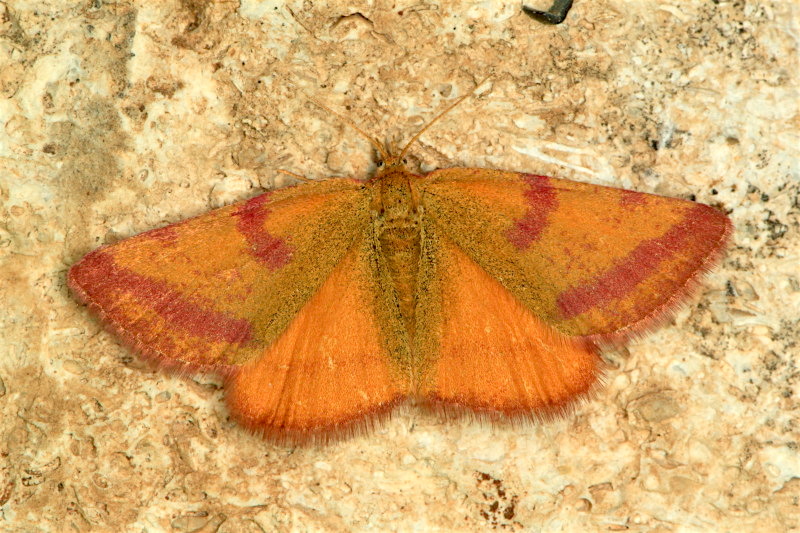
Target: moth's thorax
[[393, 192], [397, 231]]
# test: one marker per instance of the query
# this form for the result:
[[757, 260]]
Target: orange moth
[[327, 304]]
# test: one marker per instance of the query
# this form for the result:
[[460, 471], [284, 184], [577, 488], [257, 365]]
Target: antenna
[[381, 150], [437, 117]]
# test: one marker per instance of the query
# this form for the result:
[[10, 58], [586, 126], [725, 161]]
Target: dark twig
[[555, 15]]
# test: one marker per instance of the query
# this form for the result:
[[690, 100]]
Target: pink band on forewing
[[541, 199], [700, 226], [270, 250], [102, 281], [631, 198]]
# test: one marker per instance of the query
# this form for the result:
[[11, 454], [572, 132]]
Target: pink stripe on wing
[[541, 199]]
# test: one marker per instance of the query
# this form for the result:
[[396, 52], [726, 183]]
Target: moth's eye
[[405, 161], [380, 163]]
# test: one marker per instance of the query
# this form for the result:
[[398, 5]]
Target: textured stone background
[[118, 117]]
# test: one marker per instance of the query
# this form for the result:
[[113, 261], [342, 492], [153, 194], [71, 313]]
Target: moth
[[327, 304]]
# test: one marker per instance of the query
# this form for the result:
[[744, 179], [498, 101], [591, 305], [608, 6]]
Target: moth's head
[[389, 163]]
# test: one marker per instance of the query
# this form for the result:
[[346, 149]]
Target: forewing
[[590, 261], [217, 290]]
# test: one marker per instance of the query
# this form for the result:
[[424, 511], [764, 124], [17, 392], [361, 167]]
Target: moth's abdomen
[[400, 247]]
